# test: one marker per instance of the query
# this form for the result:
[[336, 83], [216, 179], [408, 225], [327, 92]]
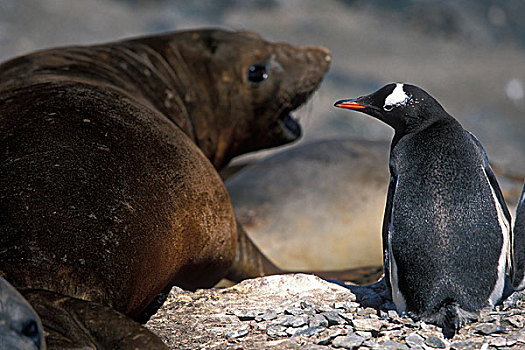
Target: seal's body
[[446, 226], [518, 245], [109, 156]]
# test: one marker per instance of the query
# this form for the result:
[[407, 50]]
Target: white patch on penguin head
[[397, 98]]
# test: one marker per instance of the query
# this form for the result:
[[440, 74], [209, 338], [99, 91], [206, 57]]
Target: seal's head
[[241, 89]]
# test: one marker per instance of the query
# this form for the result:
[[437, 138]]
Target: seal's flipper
[[249, 261], [74, 323]]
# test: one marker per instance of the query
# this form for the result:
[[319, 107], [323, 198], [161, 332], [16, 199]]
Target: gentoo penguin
[[446, 226], [518, 245]]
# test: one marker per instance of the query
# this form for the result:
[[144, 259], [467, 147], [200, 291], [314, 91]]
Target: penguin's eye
[[257, 73], [388, 108]]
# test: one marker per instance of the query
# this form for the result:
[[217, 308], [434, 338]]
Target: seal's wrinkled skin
[[109, 156]]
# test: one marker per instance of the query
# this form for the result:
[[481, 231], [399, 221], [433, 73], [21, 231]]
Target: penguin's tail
[[450, 317]]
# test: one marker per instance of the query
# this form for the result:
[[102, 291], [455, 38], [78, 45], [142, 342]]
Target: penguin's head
[[404, 107]]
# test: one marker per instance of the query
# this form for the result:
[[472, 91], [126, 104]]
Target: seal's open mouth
[[291, 126]]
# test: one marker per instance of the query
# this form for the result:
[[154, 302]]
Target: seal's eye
[[257, 73], [30, 330], [388, 108]]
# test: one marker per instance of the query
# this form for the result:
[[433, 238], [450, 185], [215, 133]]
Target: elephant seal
[[20, 326], [109, 156], [328, 194]]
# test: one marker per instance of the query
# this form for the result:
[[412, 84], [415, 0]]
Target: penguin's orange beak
[[348, 104]]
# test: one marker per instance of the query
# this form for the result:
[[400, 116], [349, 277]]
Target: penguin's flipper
[[386, 228], [493, 181], [506, 220]]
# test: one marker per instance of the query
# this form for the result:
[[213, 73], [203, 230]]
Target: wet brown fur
[[109, 156]]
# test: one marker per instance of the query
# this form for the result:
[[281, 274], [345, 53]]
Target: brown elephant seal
[[20, 326], [328, 194], [109, 155]]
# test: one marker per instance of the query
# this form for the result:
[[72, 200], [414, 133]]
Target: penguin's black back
[[446, 237]]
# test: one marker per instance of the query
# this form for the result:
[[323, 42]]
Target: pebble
[[285, 320], [366, 335], [315, 347], [309, 331], [334, 322], [371, 344], [465, 345], [367, 324], [516, 321], [246, 315], [329, 334], [348, 342], [266, 317], [291, 330], [435, 342], [237, 334], [367, 311], [348, 306], [498, 342], [333, 318], [489, 328], [414, 340], [318, 320], [393, 345], [300, 321], [295, 311], [276, 331]]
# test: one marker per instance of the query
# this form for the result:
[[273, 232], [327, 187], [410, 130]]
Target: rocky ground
[[304, 312]]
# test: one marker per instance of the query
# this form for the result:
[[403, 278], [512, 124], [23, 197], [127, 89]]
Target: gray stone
[[276, 331], [348, 342], [414, 339], [490, 328], [348, 306], [394, 333], [323, 308], [366, 324], [293, 311], [465, 345], [326, 337], [372, 344], [367, 311], [266, 317], [435, 342], [366, 335], [347, 316], [318, 320], [237, 334], [246, 314], [333, 318], [315, 347], [393, 345], [392, 313], [516, 321], [291, 330], [498, 342], [300, 321], [309, 331], [284, 320]]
